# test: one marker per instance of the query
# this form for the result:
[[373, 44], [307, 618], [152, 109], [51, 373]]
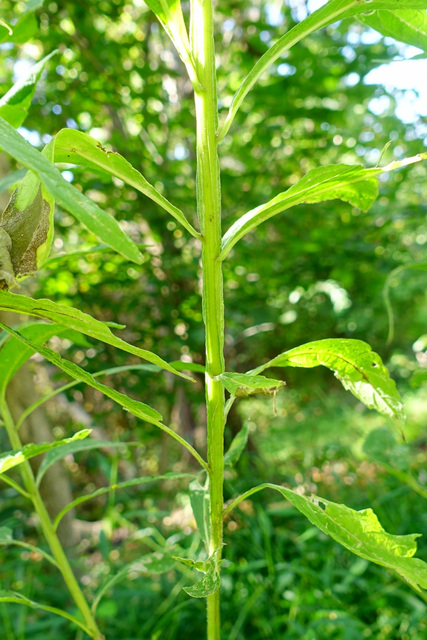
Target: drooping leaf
[[357, 367], [237, 446], [169, 14], [210, 582], [407, 26], [79, 321], [200, 504], [243, 385], [78, 148], [120, 485], [14, 105], [6, 538], [12, 459], [13, 354], [139, 409], [99, 222], [327, 14], [353, 184], [358, 531], [19, 598], [417, 266]]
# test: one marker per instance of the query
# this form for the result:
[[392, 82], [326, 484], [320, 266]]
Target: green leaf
[[78, 148], [210, 582], [120, 485], [12, 459], [237, 446], [419, 377], [357, 367], [417, 266], [18, 598], [52, 457], [14, 105], [381, 447], [24, 29], [407, 26], [6, 538], [139, 409], [327, 14], [169, 14], [13, 354], [79, 321], [353, 184], [104, 226], [11, 179], [243, 385], [150, 564], [200, 504], [359, 531]]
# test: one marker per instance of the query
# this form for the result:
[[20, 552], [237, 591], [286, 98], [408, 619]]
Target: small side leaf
[[79, 321], [14, 105], [243, 385], [99, 222], [357, 367], [210, 582], [12, 459], [237, 446], [200, 504]]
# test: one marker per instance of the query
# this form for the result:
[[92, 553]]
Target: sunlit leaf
[[78, 148], [99, 222], [327, 14], [14, 105], [243, 385], [76, 319], [358, 531], [407, 26], [357, 367], [353, 184], [12, 459]]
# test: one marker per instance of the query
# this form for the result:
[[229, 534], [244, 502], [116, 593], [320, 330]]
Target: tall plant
[[26, 230]]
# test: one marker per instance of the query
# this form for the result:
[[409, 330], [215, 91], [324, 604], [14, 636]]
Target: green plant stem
[[48, 530], [209, 211]]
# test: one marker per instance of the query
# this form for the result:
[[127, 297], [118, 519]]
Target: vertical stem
[[209, 211], [48, 530]]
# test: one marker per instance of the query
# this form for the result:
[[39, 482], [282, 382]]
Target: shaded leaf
[[243, 385], [200, 504], [99, 222], [417, 266], [79, 321], [11, 179], [12, 459], [78, 148], [14, 105], [120, 485], [6, 538], [357, 367], [237, 446], [210, 582]]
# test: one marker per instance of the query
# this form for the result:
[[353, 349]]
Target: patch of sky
[[285, 69], [180, 152], [67, 175], [33, 137]]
